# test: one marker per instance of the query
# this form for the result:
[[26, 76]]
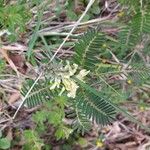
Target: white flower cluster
[[65, 79]]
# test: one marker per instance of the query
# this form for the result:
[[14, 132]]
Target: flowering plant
[[65, 78]]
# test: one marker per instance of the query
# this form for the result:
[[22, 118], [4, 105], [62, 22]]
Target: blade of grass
[[34, 36], [48, 53]]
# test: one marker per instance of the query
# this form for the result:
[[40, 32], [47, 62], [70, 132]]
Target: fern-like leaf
[[131, 35], [95, 108], [88, 48], [81, 124], [117, 108], [40, 93], [138, 73]]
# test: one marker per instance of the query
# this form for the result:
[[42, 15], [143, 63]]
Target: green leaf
[[62, 101], [95, 9], [59, 133], [2, 65], [40, 116], [71, 15], [4, 143], [96, 108], [86, 18], [82, 142], [118, 109], [14, 16], [87, 48], [40, 93], [34, 37], [32, 140], [55, 118], [63, 132]]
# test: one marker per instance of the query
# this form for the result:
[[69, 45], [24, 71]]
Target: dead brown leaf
[[14, 97], [12, 65], [19, 62]]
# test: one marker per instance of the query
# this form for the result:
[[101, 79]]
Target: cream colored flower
[[71, 87], [82, 74], [62, 91], [72, 70], [64, 78], [56, 83]]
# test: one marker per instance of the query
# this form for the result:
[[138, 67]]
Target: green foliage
[[53, 113], [138, 74], [40, 93], [14, 18], [136, 4], [2, 65], [131, 35], [74, 9], [96, 108], [117, 108], [32, 140], [83, 142], [63, 132], [81, 123], [4, 142], [87, 105], [134, 33], [88, 48], [95, 51], [85, 108]]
